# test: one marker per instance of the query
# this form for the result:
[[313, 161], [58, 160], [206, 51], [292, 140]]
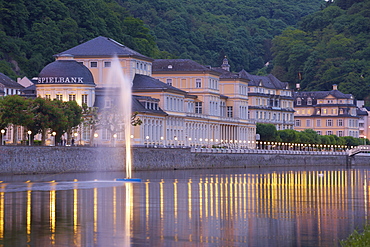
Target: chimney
[[335, 87]]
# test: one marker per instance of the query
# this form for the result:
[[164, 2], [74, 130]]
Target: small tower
[[225, 64]]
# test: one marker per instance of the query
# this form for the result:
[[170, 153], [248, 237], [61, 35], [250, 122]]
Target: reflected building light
[[175, 199], [161, 203], [114, 210], [206, 185], [147, 206], [75, 209], [95, 214], [29, 211], [200, 199], [189, 199], [2, 211], [52, 212]]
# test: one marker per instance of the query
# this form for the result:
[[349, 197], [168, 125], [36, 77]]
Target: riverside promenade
[[39, 160]]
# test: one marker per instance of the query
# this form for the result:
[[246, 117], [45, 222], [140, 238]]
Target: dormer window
[[299, 101], [169, 82], [309, 101]]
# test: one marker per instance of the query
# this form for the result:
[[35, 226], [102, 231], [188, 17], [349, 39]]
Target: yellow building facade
[[326, 112]]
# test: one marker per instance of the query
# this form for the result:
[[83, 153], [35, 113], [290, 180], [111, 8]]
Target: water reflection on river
[[238, 207]]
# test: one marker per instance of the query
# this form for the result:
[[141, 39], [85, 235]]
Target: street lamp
[[364, 140], [2, 137], [54, 134], [29, 137], [114, 139], [147, 140]]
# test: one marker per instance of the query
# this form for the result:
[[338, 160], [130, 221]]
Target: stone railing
[[264, 151]]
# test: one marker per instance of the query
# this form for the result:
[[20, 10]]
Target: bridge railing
[[359, 149]]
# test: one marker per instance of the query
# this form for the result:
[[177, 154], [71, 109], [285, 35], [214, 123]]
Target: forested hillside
[[31, 32], [202, 30], [331, 46], [207, 30]]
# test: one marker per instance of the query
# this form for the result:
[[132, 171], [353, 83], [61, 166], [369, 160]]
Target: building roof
[[179, 65], [268, 81], [71, 71], [102, 47], [146, 83], [9, 83], [229, 75], [139, 107], [322, 94]]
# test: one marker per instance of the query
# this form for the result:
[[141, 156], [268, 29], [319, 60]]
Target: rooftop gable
[[102, 47], [9, 83], [180, 65]]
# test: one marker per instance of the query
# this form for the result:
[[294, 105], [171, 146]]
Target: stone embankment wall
[[35, 160]]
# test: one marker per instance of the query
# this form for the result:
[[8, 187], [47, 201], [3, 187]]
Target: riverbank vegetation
[[358, 239], [268, 133]]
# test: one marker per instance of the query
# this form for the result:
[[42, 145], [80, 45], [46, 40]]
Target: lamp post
[[147, 141], [95, 137], [29, 137], [54, 134], [2, 137], [114, 140], [364, 140]]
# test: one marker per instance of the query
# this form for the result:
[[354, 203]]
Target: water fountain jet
[[118, 80]]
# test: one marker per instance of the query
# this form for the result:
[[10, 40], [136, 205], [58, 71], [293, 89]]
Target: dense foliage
[[268, 133], [202, 30], [331, 46], [207, 30], [39, 115], [358, 239], [31, 32]]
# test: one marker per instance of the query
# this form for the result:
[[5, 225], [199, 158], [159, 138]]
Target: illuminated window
[[72, 97], [47, 96], [299, 101], [84, 99], [59, 96]]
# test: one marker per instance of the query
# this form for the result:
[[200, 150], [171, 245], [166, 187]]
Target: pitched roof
[[139, 107], [147, 83], [9, 83], [179, 65], [229, 75], [323, 94], [102, 47], [268, 81]]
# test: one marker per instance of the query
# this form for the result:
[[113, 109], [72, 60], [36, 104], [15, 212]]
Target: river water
[[228, 207]]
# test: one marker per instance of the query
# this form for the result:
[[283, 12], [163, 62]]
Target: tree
[[15, 110], [267, 132]]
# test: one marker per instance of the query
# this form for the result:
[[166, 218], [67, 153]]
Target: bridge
[[359, 149]]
